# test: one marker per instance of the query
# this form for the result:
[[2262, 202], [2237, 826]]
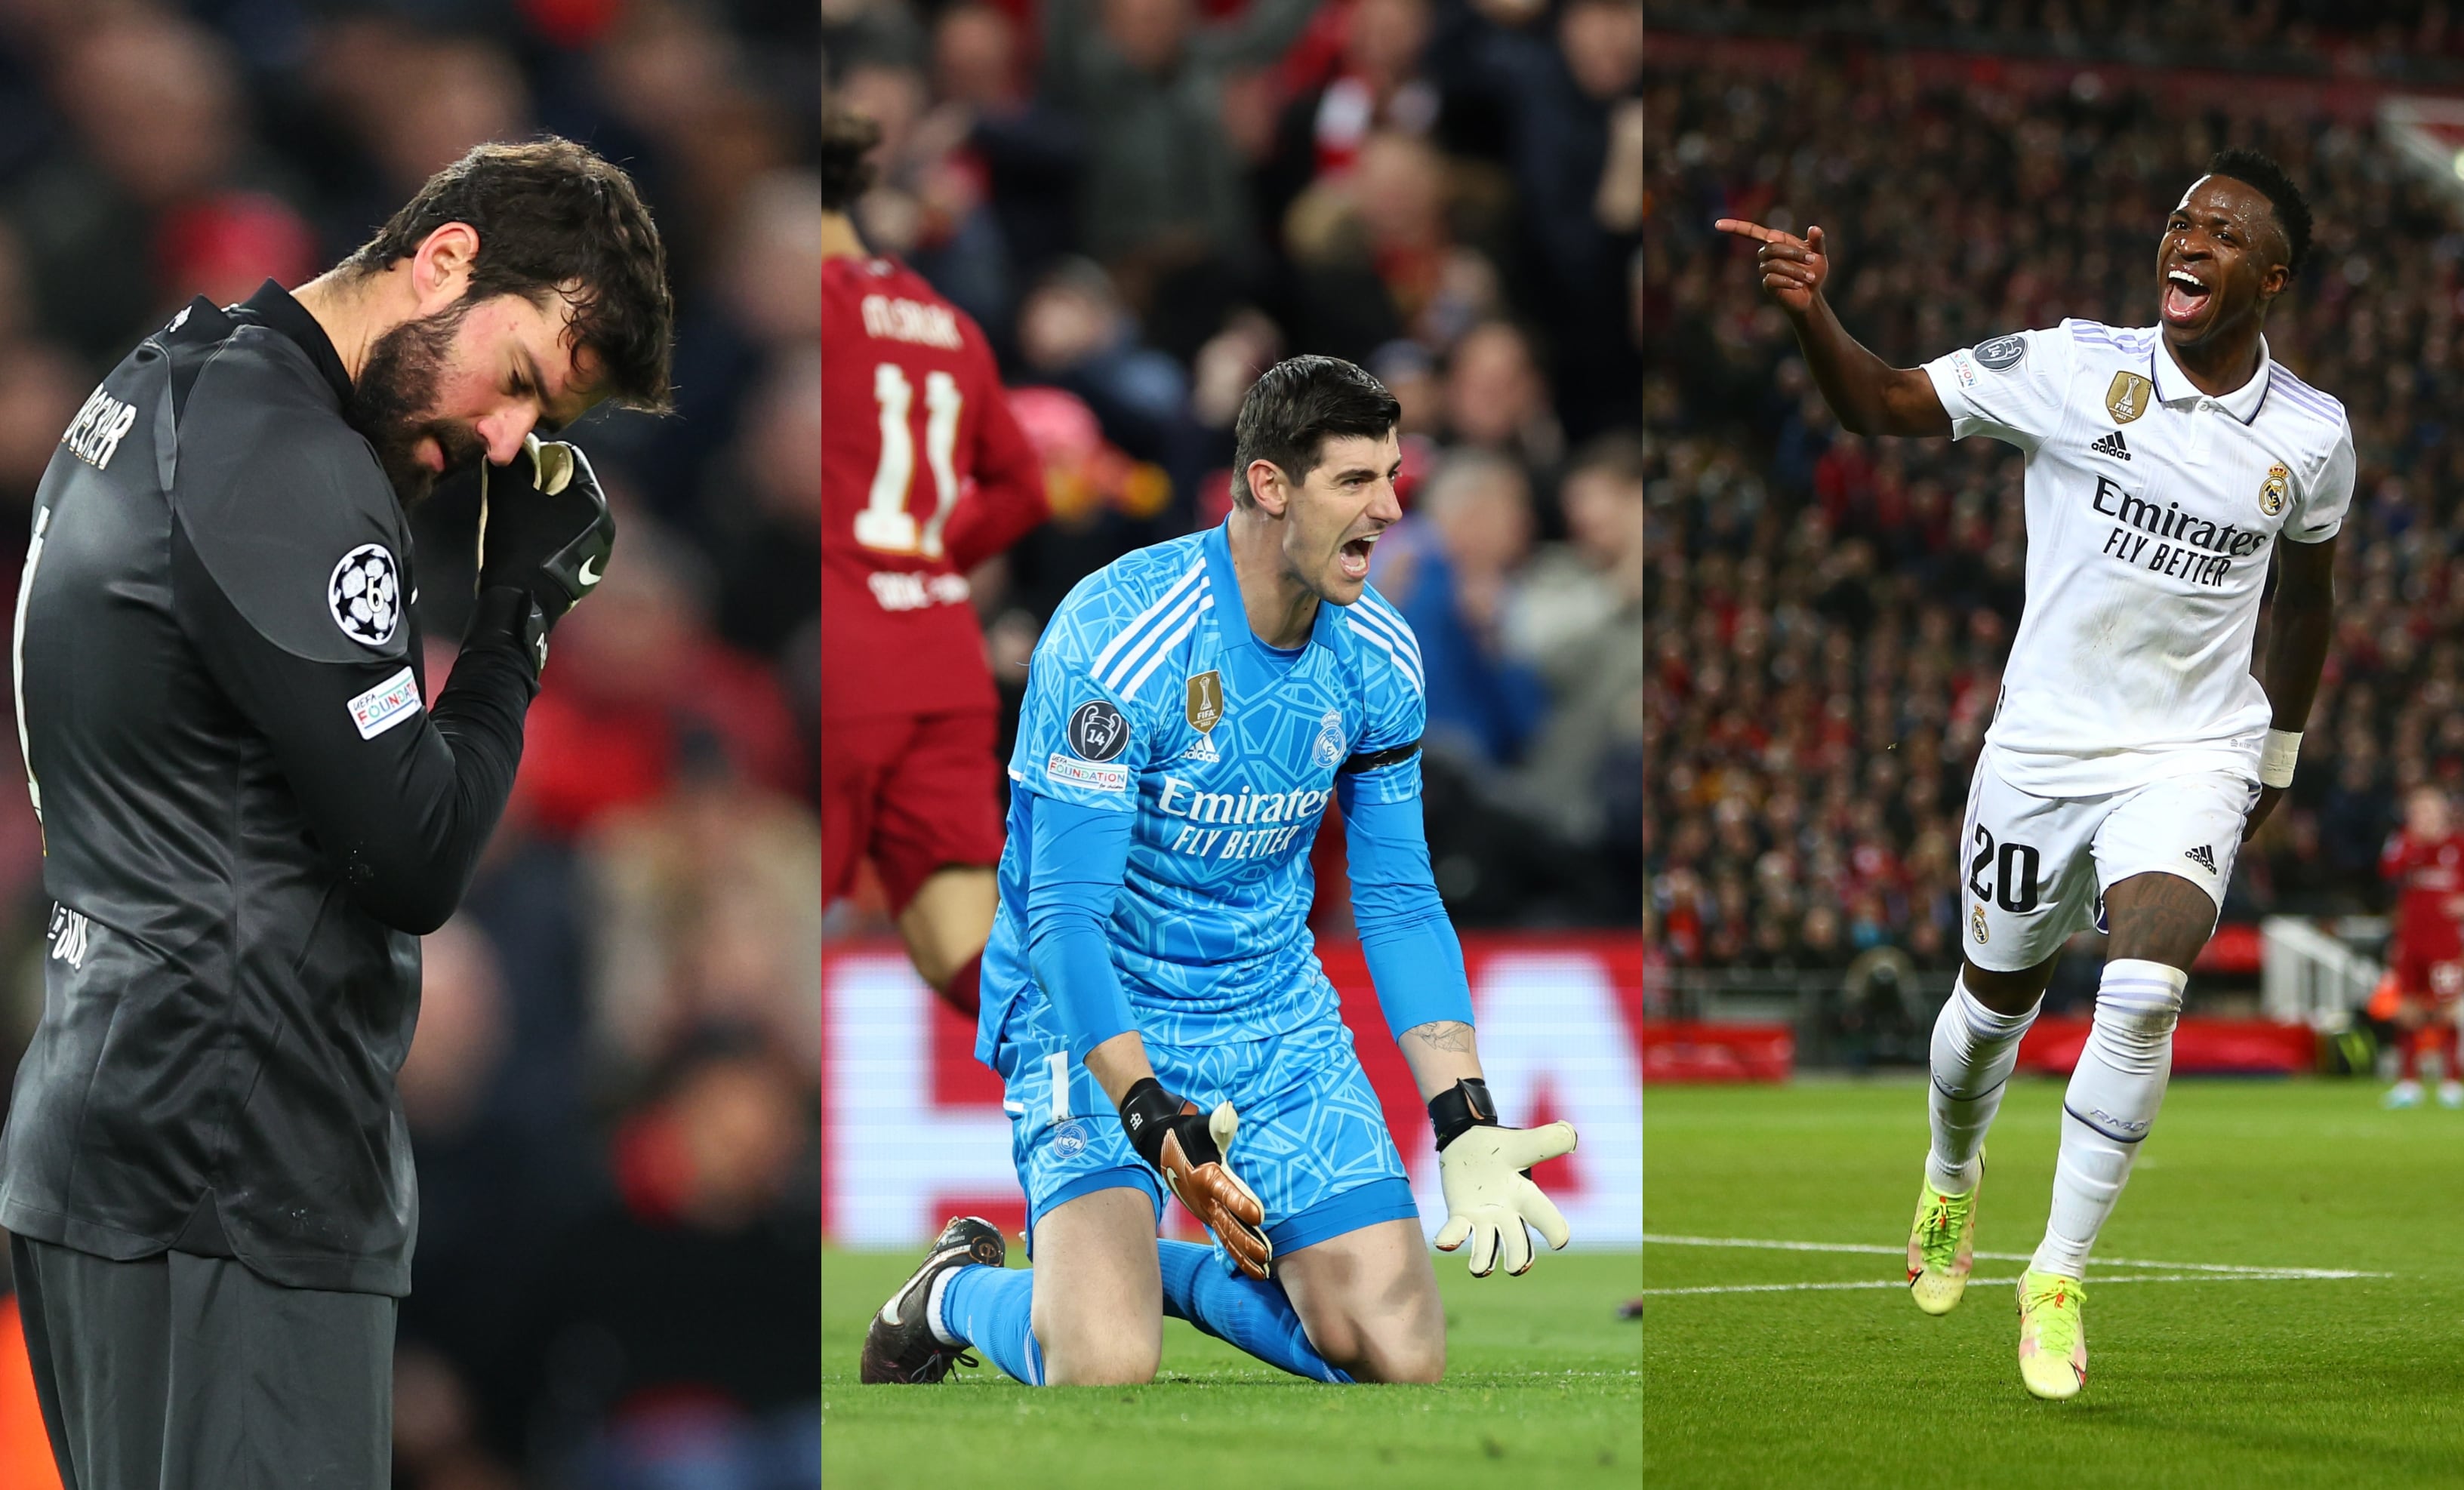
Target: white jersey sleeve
[[2014, 389], [2319, 512]]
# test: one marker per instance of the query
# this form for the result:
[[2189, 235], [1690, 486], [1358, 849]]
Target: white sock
[[2110, 1106], [932, 1310], [1973, 1051]]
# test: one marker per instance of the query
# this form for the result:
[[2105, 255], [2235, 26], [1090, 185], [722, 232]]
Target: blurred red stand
[[1695, 1051]]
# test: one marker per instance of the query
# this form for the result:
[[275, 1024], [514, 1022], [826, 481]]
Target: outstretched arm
[[2301, 624], [1416, 962], [1869, 394]]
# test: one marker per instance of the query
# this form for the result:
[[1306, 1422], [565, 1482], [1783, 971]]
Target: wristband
[[1460, 1108], [1147, 1112], [506, 612], [2277, 756]]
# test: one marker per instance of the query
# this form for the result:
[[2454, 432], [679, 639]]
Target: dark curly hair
[[846, 139], [554, 218], [2260, 172]]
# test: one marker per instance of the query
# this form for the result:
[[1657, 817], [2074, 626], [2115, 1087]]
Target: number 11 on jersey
[[886, 525]]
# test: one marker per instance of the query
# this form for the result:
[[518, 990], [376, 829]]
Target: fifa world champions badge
[[2127, 397], [1206, 701]]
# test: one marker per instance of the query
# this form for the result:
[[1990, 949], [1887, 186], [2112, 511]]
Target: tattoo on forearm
[[1444, 1035]]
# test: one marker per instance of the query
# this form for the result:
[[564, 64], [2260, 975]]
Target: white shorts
[[2036, 867]]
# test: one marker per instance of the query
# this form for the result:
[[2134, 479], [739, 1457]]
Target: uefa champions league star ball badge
[[365, 595]]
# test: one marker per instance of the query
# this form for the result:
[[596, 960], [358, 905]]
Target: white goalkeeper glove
[[1486, 1171]]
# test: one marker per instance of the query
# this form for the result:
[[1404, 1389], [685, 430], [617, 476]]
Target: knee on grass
[[1389, 1353], [1100, 1363]]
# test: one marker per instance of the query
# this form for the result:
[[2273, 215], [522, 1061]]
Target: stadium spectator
[[1577, 616], [1450, 568], [1028, 152], [1163, 203]]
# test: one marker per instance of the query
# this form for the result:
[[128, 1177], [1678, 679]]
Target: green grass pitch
[[1543, 1389], [2221, 1380]]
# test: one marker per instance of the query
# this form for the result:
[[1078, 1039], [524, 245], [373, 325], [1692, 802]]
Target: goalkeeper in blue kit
[[1150, 995]]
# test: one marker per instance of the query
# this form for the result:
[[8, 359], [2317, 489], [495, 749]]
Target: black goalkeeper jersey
[[250, 811]]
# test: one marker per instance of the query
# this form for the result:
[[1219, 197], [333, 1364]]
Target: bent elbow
[[414, 902]]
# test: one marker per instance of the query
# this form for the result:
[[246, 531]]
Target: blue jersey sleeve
[[1414, 958], [1079, 740], [1385, 761], [1080, 853]]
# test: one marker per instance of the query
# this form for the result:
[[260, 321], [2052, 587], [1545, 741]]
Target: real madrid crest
[[2272, 493], [1976, 925], [2127, 397]]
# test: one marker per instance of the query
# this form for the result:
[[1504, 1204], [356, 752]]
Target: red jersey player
[[924, 475], [2426, 862]]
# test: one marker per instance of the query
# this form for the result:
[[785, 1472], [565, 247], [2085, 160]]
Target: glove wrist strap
[[1458, 1109], [1147, 1112]]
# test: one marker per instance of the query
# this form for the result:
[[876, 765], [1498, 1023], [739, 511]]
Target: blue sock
[[992, 1308], [1238, 1311]]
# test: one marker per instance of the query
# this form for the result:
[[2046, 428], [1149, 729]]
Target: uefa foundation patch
[[387, 704]]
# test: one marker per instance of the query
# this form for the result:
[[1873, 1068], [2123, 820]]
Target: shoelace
[[2057, 1328], [1937, 1225], [937, 1366]]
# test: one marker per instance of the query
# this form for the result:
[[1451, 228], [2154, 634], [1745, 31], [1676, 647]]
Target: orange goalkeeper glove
[[1190, 1150]]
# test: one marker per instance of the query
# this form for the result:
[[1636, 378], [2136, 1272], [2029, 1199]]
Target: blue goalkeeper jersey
[[1149, 695]]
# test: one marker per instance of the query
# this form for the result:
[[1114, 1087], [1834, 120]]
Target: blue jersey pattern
[[1149, 695]]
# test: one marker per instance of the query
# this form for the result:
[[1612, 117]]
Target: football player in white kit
[[2132, 752]]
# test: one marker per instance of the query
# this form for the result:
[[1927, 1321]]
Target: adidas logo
[[2111, 445], [2203, 857], [1203, 750]]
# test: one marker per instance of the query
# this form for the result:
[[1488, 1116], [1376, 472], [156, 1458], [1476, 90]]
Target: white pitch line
[[2307, 1275], [1867, 1249]]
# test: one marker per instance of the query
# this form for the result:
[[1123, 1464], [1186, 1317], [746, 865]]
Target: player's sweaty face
[[1338, 512], [443, 392], [2220, 245]]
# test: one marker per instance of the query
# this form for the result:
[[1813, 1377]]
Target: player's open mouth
[[2186, 298], [1354, 557], [429, 452]]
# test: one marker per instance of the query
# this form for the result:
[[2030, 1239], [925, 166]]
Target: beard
[[396, 388]]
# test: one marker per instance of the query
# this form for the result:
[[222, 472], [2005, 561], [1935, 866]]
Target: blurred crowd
[[1145, 203], [1829, 615], [613, 1091], [2414, 39]]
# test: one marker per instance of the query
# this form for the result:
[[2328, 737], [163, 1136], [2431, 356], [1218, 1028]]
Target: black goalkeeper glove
[[1189, 1148], [545, 529]]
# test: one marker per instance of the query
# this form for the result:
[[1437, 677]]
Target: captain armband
[[1380, 759]]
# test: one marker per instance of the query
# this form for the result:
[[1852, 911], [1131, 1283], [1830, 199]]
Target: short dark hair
[[846, 139], [1294, 406], [551, 214], [2259, 171]]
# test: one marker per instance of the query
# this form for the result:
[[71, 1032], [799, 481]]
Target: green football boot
[[1941, 1245], [2052, 1336]]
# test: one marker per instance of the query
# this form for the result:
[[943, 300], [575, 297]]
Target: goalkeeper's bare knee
[[1093, 1360]]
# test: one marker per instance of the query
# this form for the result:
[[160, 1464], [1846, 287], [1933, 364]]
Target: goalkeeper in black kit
[[252, 806]]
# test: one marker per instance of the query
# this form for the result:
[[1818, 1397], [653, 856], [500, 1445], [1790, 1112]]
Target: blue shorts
[[1312, 1142]]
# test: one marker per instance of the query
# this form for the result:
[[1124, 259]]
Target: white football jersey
[[2152, 510]]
